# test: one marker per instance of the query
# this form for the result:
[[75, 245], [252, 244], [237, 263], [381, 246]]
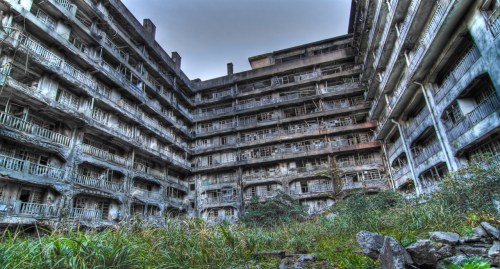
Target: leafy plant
[[474, 263], [281, 208]]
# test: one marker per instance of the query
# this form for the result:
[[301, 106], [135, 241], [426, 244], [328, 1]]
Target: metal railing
[[489, 106], [30, 168], [33, 129]]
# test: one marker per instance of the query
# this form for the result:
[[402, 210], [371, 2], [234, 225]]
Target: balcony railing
[[260, 194], [66, 5], [105, 155], [458, 72], [96, 182], [53, 59], [145, 193], [36, 210], [424, 153], [373, 183], [33, 129], [484, 109], [494, 22], [318, 188], [150, 171], [85, 214], [46, 19], [417, 121], [30, 168], [219, 200], [357, 162], [394, 147]]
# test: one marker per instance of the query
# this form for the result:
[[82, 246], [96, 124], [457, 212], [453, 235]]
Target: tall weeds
[[465, 198]]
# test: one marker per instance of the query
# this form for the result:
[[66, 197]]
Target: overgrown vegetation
[[279, 209], [466, 198]]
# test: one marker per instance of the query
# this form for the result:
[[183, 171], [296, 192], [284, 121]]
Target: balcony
[[422, 154], [358, 162], [484, 109], [100, 183], [402, 33], [66, 5], [219, 200], [401, 175], [366, 184], [52, 59], [143, 193], [33, 210], [104, 155], [261, 195], [25, 166], [312, 189], [472, 56], [149, 171], [26, 127], [82, 214], [418, 124], [394, 148]]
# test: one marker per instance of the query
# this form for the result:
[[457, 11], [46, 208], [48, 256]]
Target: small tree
[[276, 210]]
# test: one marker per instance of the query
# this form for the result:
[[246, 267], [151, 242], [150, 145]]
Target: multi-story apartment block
[[98, 124], [431, 72]]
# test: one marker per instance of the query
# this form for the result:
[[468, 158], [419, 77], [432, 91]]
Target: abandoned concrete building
[[98, 124]]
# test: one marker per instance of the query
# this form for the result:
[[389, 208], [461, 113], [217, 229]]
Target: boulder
[[445, 237], [491, 230], [479, 231], [445, 263], [393, 255], [370, 243], [494, 254], [423, 252]]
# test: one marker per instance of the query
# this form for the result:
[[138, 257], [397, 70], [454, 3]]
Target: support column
[[418, 187], [440, 129]]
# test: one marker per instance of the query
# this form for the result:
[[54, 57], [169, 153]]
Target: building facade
[[98, 124], [431, 70]]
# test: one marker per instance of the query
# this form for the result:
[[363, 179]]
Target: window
[[452, 114]]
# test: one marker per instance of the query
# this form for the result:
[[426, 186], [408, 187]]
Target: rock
[[457, 259], [445, 237], [479, 231], [470, 239], [393, 255], [491, 230], [423, 252], [471, 250], [370, 243], [307, 257], [444, 252], [494, 254]]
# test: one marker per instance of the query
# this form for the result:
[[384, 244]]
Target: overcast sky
[[208, 34]]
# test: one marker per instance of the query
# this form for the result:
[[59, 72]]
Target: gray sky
[[208, 34]]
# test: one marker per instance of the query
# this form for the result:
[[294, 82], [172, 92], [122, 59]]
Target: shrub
[[277, 210]]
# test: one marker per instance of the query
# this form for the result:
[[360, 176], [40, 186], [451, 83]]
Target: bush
[[277, 210]]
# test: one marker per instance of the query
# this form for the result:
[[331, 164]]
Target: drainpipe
[[393, 185], [451, 164], [409, 157]]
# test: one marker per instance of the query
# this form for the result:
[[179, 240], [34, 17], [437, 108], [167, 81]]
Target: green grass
[[465, 200]]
